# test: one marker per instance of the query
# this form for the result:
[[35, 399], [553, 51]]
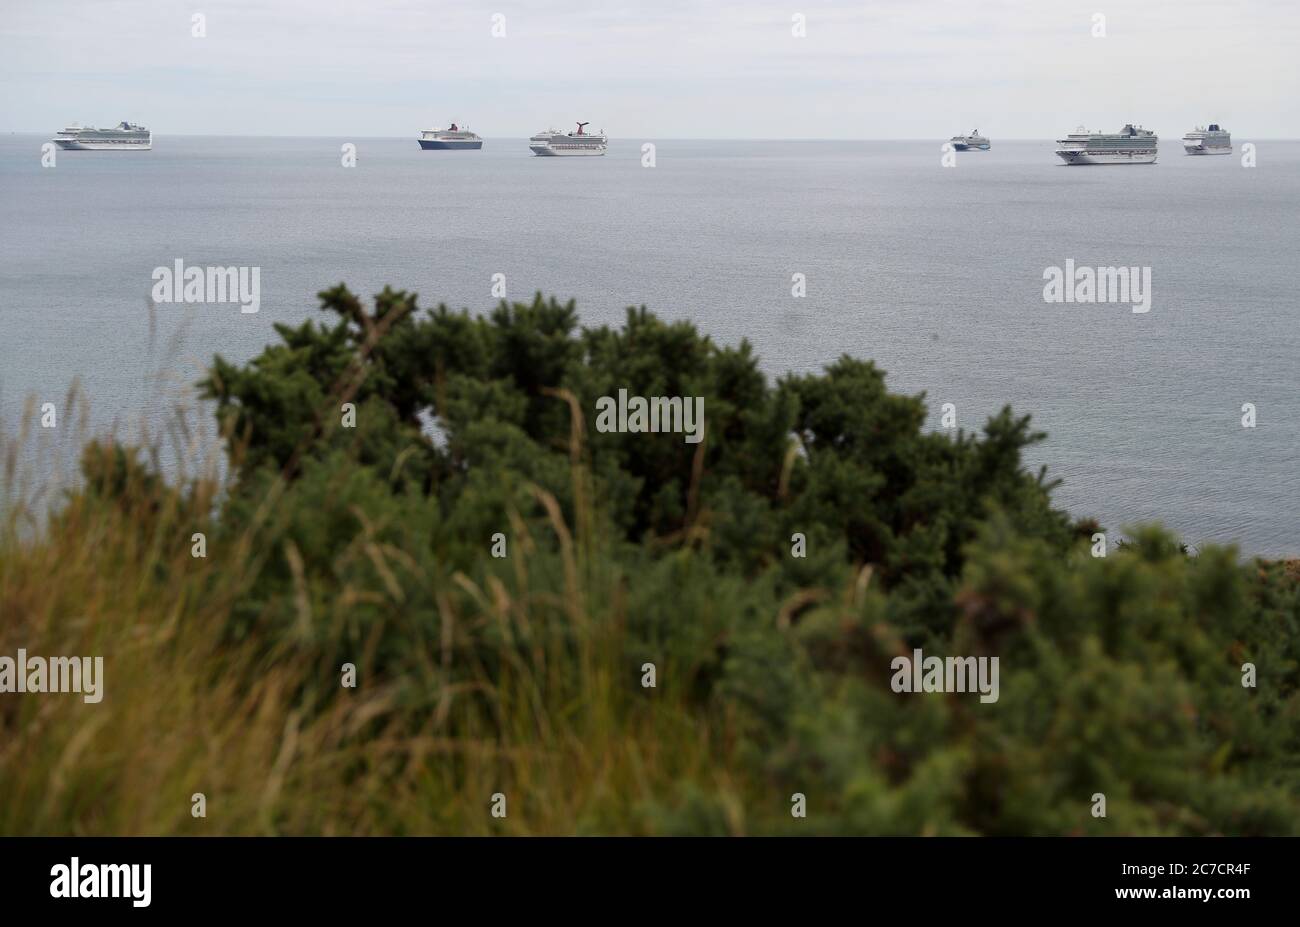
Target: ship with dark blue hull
[[972, 142], [452, 139]]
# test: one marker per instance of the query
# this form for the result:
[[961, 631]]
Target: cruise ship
[[972, 142], [1211, 141], [124, 136], [454, 138], [554, 143], [1130, 145]]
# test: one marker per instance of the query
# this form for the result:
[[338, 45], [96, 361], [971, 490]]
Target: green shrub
[[372, 545]]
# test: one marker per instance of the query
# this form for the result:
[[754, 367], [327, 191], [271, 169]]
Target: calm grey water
[[936, 273]]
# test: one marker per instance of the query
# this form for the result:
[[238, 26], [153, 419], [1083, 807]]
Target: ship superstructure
[[972, 142], [554, 143], [453, 138], [1211, 141], [1130, 145], [124, 136]]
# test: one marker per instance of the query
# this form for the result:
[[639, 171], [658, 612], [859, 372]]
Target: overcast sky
[[652, 68]]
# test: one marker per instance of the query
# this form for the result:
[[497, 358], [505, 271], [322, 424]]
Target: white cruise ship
[[1130, 145], [455, 138], [554, 143], [1211, 141], [122, 137], [972, 142]]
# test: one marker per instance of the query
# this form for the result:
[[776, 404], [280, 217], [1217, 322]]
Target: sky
[[652, 68]]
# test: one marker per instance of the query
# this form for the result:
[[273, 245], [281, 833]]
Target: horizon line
[[675, 138]]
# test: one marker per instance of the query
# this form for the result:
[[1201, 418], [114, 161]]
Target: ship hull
[[431, 144], [1070, 156], [72, 144], [963, 146], [1202, 150]]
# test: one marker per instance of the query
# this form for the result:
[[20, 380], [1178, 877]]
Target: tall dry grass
[[576, 745]]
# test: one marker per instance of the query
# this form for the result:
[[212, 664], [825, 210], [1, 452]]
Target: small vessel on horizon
[[454, 138], [972, 142], [554, 143], [124, 136], [1211, 141], [1130, 145]]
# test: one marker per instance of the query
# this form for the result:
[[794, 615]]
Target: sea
[[932, 265]]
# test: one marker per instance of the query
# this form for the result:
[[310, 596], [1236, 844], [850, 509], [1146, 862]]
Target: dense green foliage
[[1122, 675], [373, 459]]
